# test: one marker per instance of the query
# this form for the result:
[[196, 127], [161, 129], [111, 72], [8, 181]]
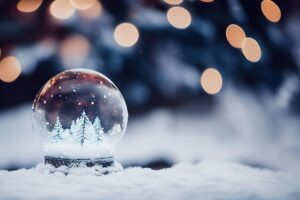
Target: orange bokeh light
[[91, 12], [235, 35], [179, 17], [61, 9], [251, 49], [28, 6], [74, 50], [10, 69], [270, 10], [173, 2], [211, 81], [207, 1], [83, 4], [126, 34]]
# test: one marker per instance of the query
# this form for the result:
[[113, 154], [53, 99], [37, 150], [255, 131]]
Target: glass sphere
[[79, 114]]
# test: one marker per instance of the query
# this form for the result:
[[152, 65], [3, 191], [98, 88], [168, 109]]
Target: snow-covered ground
[[205, 180], [246, 147]]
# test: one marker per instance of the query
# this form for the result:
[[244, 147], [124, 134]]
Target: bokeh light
[[235, 35], [173, 2], [83, 4], [179, 17], [74, 50], [207, 1], [10, 69], [28, 6], [211, 81], [270, 10], [126, 34], [91, 12], [62, 9], [251, 49]]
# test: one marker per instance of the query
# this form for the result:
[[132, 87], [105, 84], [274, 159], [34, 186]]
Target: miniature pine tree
[[73, 128], [116, 129], [99, 132], [68, 137], [57, 132], [85, 130], [70, 133]]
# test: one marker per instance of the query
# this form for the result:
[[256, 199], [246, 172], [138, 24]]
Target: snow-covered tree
[[116, 129], [57, 132], [77, 120], [70, 133], [99, 132], [73, 128], [68, 137], [85, 130]]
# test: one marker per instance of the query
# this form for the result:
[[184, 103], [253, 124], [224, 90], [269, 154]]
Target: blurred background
[[202, 79]]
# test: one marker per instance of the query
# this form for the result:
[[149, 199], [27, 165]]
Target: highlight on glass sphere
[[79, 114]]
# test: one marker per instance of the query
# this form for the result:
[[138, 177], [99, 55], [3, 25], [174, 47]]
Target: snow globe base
[[57, 162]]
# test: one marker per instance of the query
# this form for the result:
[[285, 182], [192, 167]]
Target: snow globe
[[79, 116]]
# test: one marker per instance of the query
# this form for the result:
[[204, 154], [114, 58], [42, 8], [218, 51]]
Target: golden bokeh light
[[179, 17], [126, 34], [10, 69], [28, 6], [62, 9], [211, 81], [74, 50], [83, 4], [270, 10], [91, 12], [207, 1], [173, 2], [235, 35], [251, 49]]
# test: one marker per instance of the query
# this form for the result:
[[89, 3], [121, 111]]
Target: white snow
[[241, 128], [82, 170], [205, 180], [90, 151]]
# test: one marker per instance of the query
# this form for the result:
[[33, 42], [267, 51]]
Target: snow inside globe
[[79, 116]]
